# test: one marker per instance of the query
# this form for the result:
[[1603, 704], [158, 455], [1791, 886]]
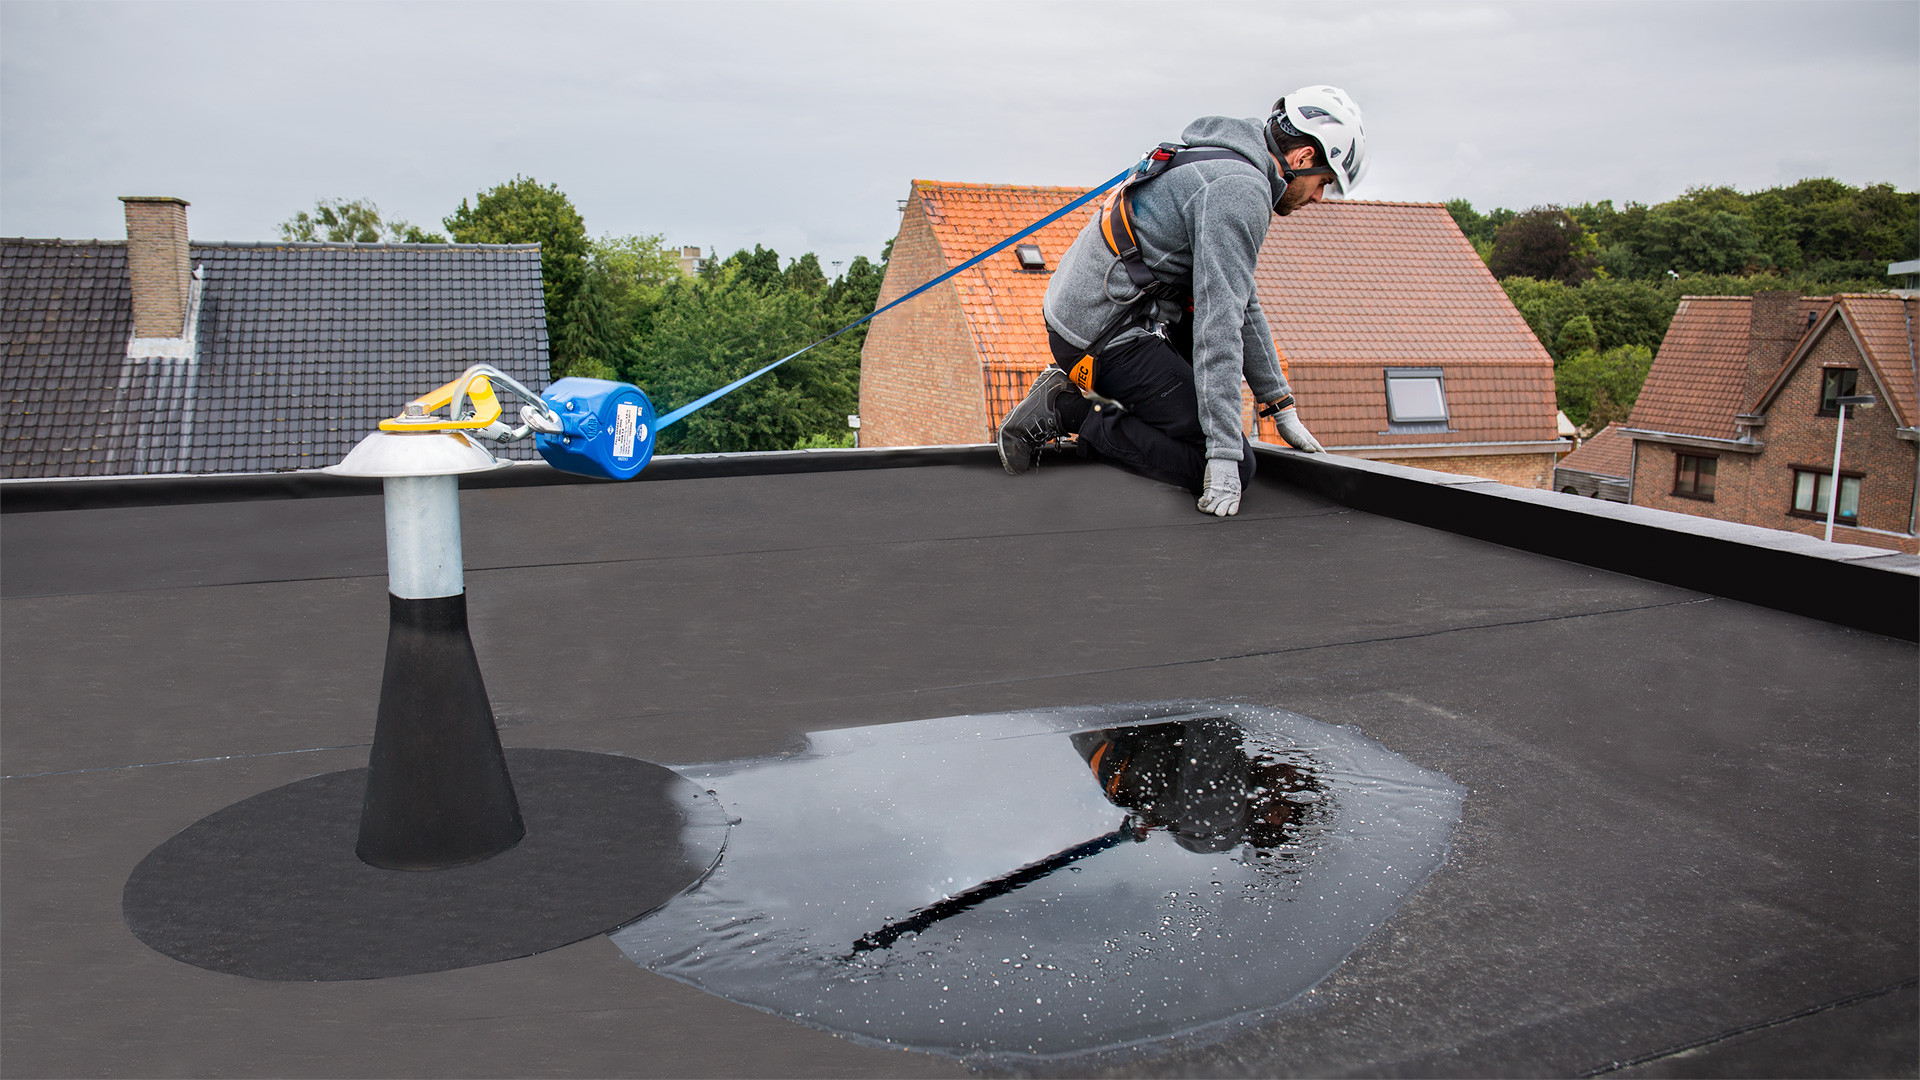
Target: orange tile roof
[[1884, 325], [1608, 453], [1349, 289], [1698, 382], [1699, 379], [1002, 301]]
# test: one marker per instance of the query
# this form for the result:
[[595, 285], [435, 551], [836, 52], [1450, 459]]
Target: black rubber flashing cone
[[438, 791]]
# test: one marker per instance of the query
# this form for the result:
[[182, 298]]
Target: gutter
[[1701, 442], [1464, 449]]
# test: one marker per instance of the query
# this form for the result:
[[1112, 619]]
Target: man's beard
[[1294, 197]]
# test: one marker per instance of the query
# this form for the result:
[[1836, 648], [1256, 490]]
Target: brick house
[[1737, 421], [158, 354], [1406, 306]]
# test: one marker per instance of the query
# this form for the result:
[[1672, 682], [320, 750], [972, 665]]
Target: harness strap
[[1116, 228], [1116, 215]]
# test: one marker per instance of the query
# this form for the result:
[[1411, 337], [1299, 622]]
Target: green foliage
[[804, 273], [1577, 334], [1597, 388], [1544, 243], [1820, 233], [826, 442], [357, 220], [524, 211], [706, 333], [858, 290], [631, 270]]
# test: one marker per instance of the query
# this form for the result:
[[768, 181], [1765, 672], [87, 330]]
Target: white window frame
[[1438, 378]]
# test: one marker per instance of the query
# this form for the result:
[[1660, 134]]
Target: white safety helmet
[[1329, 117]]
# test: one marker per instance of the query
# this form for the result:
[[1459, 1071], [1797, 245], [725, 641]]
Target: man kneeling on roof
[[1152, 314]]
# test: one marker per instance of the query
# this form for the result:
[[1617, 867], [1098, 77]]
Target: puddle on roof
[[1036, 884]]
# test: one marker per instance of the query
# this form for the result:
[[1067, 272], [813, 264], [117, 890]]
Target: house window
[[1836, 383], [1812, 488], [1693, 475], [1416, 400], [1031, 260]]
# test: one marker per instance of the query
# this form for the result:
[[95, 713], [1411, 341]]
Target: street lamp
[[1863, 401]]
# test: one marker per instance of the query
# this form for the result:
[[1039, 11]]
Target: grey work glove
[[1222, 496], [1295, 432]]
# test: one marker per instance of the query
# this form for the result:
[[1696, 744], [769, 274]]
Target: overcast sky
[[800, 125]]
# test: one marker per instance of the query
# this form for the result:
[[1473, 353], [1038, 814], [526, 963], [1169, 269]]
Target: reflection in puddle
[[1044, 883]]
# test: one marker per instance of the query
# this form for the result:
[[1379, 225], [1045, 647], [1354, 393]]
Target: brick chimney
[[1775, 326], [158, 263]]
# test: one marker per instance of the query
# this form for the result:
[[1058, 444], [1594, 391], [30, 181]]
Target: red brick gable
[[1881, 325], [1001, 301]]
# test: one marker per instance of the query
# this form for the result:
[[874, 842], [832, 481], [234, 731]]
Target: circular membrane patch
[[270, 887], [1038, 884]]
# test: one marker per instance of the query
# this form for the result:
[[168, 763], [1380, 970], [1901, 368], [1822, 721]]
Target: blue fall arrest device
[[607, 428]]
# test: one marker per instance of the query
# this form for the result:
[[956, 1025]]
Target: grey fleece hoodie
[[1205, 220]]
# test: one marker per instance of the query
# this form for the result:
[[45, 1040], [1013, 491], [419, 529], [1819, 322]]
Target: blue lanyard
[[692, 407]]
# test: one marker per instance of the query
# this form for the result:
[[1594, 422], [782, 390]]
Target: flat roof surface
[[1688, 844]]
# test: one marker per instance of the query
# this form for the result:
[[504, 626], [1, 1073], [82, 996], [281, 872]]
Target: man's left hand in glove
[[1287, 420]]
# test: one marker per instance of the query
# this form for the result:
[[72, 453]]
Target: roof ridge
[[60, 241], [353, 245], [1083, 188], [344, 245]]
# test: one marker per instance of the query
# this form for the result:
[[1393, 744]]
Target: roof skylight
[[1030, 257], [1416, 396]]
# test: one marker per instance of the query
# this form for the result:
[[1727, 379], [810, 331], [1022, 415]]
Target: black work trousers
[[1158, 436]]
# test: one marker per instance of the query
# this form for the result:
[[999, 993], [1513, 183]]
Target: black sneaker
[[1033, 423]]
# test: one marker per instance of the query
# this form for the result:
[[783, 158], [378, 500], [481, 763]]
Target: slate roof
[[302, 349], [1608, 453], [1349, 288], [1698, 382]]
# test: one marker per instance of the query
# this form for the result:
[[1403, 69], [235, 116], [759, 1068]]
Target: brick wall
[[1758, 488], [1653, 474], [920, 374], [1520, 470]]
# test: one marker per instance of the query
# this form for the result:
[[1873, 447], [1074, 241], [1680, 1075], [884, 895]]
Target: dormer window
[[1416, 400], [1030, 258]]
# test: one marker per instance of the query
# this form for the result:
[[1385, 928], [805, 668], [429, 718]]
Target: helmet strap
[[1288, 174]]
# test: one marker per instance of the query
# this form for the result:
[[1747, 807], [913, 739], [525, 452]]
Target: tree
[[1687, 237], [759, 268], [705, 334], [858, 290], [524, 211], [1478, 228], [357, 220], [1544, 243], [1598, 388], [805, 274]]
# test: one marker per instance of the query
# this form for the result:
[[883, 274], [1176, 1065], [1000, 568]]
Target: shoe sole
[[1027, 453]]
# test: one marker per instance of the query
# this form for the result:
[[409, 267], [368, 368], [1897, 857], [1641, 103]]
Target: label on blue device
[[624, 425]]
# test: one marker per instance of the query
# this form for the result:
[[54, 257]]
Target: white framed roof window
[[1416, 400]]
